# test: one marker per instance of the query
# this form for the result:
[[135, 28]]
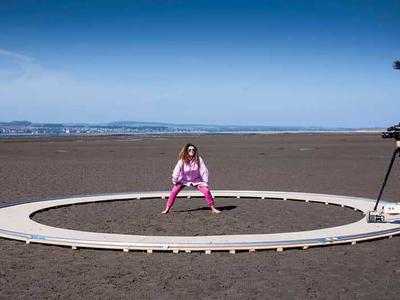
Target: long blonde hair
[[184, 154]]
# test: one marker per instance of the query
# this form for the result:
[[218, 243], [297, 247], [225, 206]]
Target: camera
[[392, 132]]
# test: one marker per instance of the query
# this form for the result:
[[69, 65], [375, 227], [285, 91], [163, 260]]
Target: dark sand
[[346, 164]]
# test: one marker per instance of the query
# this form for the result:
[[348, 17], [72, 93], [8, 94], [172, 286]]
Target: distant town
[[27, 128]]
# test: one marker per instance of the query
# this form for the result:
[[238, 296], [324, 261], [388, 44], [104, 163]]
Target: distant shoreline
[[184, 134]]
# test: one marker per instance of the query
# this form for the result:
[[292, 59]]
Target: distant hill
[[16, 123]]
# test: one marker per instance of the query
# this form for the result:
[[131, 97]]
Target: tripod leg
[[397, 150]]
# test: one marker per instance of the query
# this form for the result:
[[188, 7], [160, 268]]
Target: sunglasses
[[192, 149]]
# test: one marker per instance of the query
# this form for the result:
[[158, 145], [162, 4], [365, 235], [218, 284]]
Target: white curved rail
[[15, 223]]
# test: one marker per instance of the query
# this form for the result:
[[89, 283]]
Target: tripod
[[395, 152]]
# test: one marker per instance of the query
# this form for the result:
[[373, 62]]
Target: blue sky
[[305, 63]]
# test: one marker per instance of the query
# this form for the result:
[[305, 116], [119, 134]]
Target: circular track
[[16, 223]]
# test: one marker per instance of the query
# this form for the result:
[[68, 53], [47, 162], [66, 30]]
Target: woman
[[190, 171]]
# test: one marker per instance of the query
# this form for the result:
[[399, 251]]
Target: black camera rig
[[392, 132]]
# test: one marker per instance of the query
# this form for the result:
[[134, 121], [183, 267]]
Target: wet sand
[[346, 164]]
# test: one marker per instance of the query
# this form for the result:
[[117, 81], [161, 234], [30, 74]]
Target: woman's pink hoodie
[[190, 174]]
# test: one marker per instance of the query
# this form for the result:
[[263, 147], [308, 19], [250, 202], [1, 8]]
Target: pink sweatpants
[[178, 187]]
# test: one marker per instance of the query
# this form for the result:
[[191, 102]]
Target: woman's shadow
[[221, 208]]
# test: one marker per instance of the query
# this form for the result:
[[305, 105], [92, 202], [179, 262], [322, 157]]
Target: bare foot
[[165, 211], [215, 211]]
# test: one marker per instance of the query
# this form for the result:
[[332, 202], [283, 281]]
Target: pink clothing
[[190, 174], [178, 187]]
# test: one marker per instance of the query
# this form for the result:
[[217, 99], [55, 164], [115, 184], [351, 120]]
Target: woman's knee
[[176, 189], [205, 190]]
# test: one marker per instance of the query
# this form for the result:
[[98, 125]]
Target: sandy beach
[[352, 164]]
